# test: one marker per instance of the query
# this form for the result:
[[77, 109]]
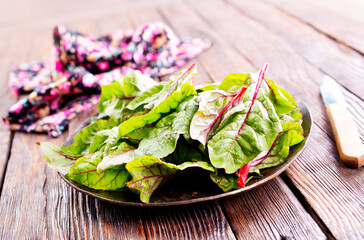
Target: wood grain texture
[[347, 139], [289, 69], [350, 8], [276, 199], [36, 204], [314, 47], [14, 53], [340, 27], [202, 221], [271, 222]]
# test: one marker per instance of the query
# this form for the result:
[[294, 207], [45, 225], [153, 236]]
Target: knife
[[350, 147]]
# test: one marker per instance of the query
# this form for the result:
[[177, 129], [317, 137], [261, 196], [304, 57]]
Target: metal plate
[[194, 185]]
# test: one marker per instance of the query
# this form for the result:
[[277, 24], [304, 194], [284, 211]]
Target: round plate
[[194, 185]]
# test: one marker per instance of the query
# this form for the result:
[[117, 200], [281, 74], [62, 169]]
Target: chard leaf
[[246, 134], [284, 102], [278, 152], [235, 81], [170, 103], [116, 96], [175, 84], [186, 152], [145, 97], [149, 172], [55, 158], [226, 182], [101, 138], [207, 87], [84, 172], [212, 107], [161, 139], [83, 139]]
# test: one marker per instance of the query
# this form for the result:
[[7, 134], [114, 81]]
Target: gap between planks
[[303, 201], [7, 157]]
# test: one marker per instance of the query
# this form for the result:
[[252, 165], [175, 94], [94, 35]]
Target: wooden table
[[316, 198]]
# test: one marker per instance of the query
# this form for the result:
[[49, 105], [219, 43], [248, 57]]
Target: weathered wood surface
[[319, 199], [340, 27]]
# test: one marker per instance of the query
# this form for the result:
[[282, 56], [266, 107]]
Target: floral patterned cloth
[[70, 81]]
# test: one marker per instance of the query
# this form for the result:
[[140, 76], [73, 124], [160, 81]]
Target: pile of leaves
[[147, 132]]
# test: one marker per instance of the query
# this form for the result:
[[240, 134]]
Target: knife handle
[[349, 145]]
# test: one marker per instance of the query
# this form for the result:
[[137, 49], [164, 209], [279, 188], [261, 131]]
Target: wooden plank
[[23, 185], [203, 221], [271, 222], [248, 209], [316, 48], [13, 54], [332, 190], [342, 28], [350, 8], [46, 14]]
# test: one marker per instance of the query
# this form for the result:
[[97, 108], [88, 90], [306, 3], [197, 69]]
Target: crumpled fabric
[[70, 81]]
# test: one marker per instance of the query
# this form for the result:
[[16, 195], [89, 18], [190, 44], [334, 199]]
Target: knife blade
[[350, 147]]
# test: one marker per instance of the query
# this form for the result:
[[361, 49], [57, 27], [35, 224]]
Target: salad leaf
[[292, 134], [170, 103], [116, 96], [88, 135], [247, 133], [84, 172], [284, 102], [55, 158], [149, 172], [161, 140], [175, 84], [213, 105], [145, 97], [234, 81], [226, 182]]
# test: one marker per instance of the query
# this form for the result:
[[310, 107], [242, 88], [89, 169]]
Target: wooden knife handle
[[346, 134]]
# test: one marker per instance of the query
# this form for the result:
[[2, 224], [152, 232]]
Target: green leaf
[[206, 87], [86, 137], [186, 152], [278, 152], [149, 172], [161, 139], [212, 107], [234, 81], [284, 102], [145, 97], [55, 158], [226, 182], [175, 84], [247, 133], [116, 96], [165, 106], [84, 172]]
